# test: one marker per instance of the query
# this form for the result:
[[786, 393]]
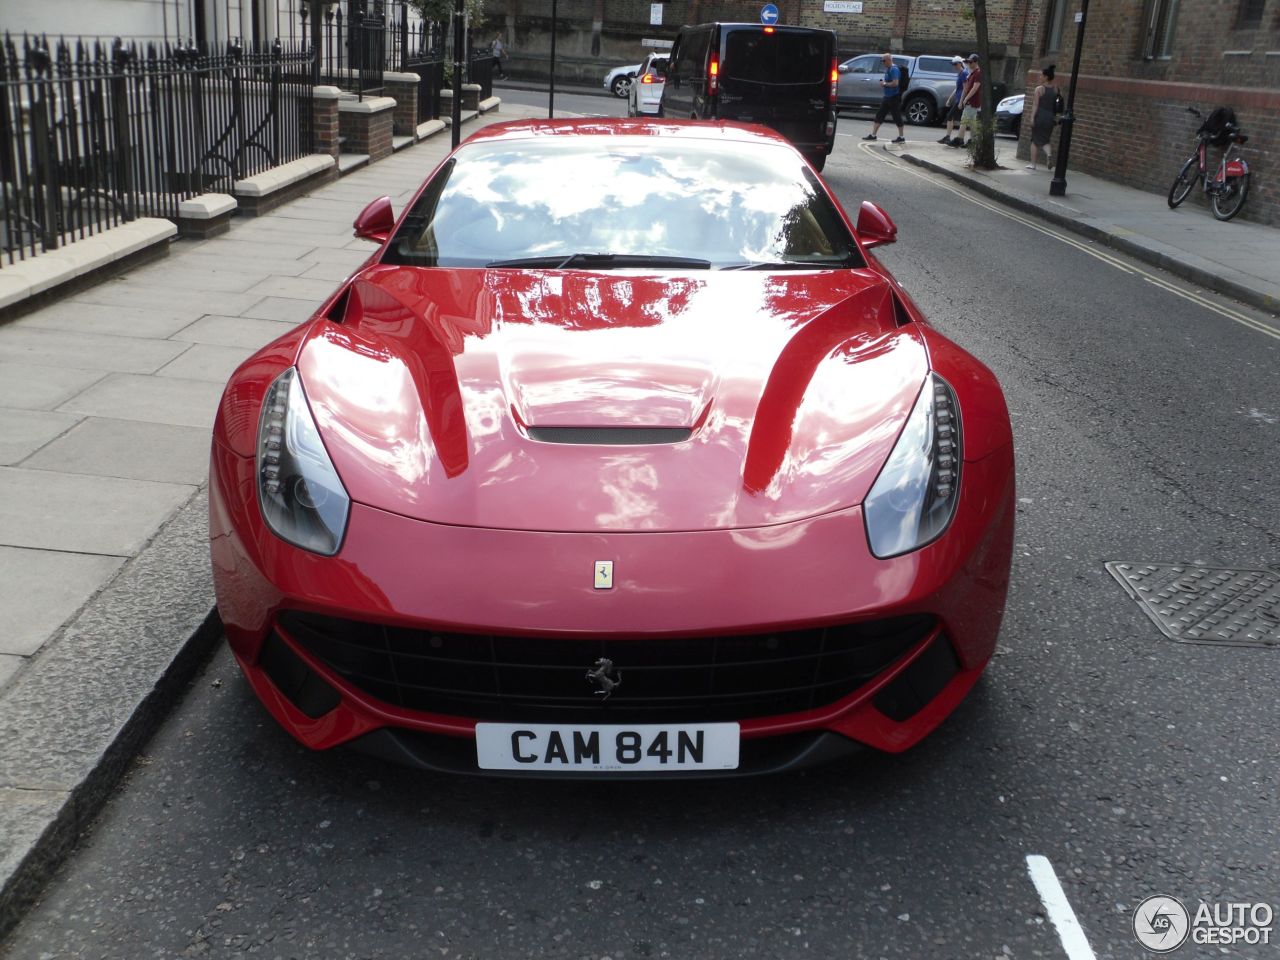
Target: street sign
[[656, 44], [769, 13], [842, 6], [655, 14]]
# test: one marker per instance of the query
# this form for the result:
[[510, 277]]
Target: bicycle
[[1229, 187]]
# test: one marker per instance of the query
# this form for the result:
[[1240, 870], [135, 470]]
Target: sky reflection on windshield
[[726, 203]]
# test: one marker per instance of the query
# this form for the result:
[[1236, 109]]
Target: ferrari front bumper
[[405, 573]]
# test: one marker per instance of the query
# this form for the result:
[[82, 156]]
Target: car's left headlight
[[914, 498], [302, 499]]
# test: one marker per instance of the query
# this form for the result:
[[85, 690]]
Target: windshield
[[614, 202]]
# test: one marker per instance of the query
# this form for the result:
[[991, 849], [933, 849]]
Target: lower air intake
[[543, 679]]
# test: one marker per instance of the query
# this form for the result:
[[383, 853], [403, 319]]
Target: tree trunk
[[984, 155]]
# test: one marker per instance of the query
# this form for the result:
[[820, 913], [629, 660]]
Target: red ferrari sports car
[[620, 457]]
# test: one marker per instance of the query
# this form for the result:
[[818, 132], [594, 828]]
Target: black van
[[783, 77]]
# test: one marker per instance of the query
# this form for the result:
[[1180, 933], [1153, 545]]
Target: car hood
[[772, 397]]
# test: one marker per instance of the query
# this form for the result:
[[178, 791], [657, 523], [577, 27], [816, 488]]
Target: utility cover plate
[[1190, 604]]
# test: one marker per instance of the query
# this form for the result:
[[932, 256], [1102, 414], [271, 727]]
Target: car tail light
[[647, 78], [835, 80], [768, 29], [713, 76]]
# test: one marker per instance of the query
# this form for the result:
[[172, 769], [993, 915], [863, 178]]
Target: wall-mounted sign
[[655, 14], [769, 13], [842, 6], [1079, 17], [656, 44]]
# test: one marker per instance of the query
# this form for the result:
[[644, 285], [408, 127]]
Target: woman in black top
[[1043, 116]]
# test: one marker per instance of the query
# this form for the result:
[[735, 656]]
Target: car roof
[[513, 130]]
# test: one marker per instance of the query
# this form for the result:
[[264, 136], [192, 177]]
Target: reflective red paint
[[425, 383]]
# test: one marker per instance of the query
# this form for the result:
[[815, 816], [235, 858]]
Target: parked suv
[[780, 76], [930, 80]]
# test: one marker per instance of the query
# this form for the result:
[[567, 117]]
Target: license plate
[[607, 747]]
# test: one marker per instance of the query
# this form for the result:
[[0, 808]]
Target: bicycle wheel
[[1229, 200], [1182, 186]]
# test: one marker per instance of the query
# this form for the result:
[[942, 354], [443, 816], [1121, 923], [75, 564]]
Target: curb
[[56, 771], [573, 90], [1199, 276]]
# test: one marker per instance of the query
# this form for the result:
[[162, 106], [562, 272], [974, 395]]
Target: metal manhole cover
[[1203, 604]]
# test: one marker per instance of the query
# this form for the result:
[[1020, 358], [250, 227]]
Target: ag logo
[[1161, 924]]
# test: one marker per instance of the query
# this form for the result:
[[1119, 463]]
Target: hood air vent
[[613, 436]]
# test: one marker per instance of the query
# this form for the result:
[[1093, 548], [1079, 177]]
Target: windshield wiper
[[604, 261], [787, 265]]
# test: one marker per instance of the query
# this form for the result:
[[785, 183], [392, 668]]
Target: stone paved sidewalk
[[107, 398], [1237, 258], [106, 403]]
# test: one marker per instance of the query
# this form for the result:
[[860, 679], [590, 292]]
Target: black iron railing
[[480, 70], [92, 136], [354, 46], [419, 51]]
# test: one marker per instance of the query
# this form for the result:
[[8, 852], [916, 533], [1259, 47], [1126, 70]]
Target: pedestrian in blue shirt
[[953, 100], [892, 103]]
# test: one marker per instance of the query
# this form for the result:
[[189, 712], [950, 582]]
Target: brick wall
[[405, 115], [912, 26], [368, 133], [324, 119], [1131, 120]]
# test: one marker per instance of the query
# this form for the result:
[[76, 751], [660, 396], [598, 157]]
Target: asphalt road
[[1147, 428], [567, 101]]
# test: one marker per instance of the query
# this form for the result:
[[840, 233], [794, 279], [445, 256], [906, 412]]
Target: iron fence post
[[122, 141], [41, 134]]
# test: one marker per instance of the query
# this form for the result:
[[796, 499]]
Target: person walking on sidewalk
[[953, 100], [892, 102], [498, 50], [1044, 114]]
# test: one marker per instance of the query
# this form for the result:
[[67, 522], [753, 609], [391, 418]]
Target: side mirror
[[376, 221], [874, 226]]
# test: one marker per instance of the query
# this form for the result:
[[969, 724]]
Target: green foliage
[[439, 11]]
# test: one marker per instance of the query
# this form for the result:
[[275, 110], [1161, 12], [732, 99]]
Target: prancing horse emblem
[[605, 677]]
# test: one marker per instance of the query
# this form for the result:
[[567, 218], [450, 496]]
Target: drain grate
[[1205, 605]]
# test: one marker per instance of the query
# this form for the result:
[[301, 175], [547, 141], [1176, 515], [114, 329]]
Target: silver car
[[930, 80], [618, 80]]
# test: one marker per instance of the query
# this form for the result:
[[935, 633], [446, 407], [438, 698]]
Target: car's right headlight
[[914, 498], [302, 499]]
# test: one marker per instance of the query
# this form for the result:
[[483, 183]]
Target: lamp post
[[551, 89], [455, 116], [1058, 185]]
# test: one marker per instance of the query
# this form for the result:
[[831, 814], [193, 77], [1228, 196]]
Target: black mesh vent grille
[[610, 435], [539, 679]]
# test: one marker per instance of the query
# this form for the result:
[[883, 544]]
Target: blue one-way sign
[[769, 13]]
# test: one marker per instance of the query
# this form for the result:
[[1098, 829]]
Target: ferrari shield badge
[[604, 574]]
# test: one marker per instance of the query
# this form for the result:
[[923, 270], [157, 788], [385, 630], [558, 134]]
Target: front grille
[[539, 679]]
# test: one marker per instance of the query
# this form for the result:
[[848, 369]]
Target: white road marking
[[1260, 326], [1059, 908]]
